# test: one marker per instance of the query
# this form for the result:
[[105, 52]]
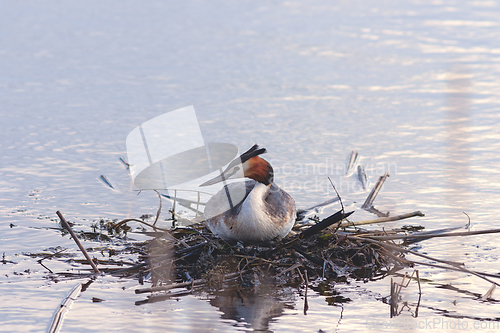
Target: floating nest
[[191, 256]]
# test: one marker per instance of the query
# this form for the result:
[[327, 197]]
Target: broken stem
[[383, 219], [450, 234], [373, 194], [77, 241]]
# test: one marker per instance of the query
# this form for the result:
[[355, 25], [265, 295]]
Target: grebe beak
[[213, 181], [229, 173]]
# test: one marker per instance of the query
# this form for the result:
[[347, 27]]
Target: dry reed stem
[[373, 194], [382, 220], [451, 234], [400, 249], [454, 265], [77, 241]]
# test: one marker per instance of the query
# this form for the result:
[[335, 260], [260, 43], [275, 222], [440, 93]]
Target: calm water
[[412, 86]]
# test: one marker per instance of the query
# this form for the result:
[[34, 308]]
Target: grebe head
[[250, 165]]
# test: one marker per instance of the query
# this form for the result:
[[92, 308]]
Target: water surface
[[412, 86]]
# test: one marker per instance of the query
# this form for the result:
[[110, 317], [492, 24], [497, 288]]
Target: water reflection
[[397, 302], [458, 156], [259, 306], [311, 80], [253, 307]]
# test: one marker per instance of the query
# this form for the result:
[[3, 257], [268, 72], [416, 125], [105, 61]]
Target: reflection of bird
[[250, 307], [263, 212]]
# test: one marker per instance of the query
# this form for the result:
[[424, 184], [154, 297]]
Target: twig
[[40, 262], [341, 204], [418, 280], [467, 226], [489, 293], [159, 209], [128, 269], [396, 258], [394, 298], [163, 297], [140, 221], [301, 276], [153, 226], [124, 162], [77, 241], [291, 268], [46, 257], [450, 234], [461, 269], [383, 219], [395, 292], [308, 256], [335, 218], [106, 181], [306, 305], [454, 265], [373, 194], [301, 213], [338, 195]]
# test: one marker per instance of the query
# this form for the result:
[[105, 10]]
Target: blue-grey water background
[[413, 86]]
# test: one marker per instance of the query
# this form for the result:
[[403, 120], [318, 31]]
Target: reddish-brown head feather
[[259, 170]]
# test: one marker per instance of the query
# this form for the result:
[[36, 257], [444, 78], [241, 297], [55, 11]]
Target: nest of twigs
[[193, 255]]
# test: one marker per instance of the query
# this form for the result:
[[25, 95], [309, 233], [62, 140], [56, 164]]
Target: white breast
[[263, 213]]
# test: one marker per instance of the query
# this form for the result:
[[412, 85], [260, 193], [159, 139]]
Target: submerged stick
[[58, 317], [77, 241], [373, 194], [162, 297]]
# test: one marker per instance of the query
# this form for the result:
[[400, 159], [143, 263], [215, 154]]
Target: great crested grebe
[[261, 211]]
